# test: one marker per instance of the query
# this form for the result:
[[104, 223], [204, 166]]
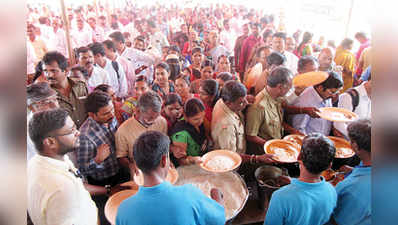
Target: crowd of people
[[154, 87]]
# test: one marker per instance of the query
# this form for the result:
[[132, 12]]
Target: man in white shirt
[[82, 36], [138, 58], [116, 75], [94, 74], [227, 37], [56, 194], [279, 45], [156, 38], [359, 103], [97, 32], [111, 54], [59, 39]]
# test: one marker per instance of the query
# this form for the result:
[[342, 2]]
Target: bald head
[[325, 58]]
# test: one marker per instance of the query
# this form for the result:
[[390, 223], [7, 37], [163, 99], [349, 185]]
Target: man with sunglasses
[[317, 96], [56, 193]]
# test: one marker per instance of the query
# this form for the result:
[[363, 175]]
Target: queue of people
[[152, 88]]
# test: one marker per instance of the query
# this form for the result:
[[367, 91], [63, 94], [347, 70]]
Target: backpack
[[354, 98]]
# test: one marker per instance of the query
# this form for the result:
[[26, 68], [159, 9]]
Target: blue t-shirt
[[354, 198], [302, 203], [166, 204]]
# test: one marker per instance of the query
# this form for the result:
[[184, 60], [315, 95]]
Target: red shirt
[[247, 47]]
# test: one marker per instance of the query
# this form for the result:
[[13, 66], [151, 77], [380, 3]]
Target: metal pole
[[67, 34], [349, 18]]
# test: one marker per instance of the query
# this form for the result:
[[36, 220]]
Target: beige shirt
[[130, 130], [264, 118], [56, 195], [228, 128]]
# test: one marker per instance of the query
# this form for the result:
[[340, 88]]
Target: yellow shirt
[[40, 48], [264, 118], [56, 195], [228, 129], [346, 59], [130, 130], [366, 57]]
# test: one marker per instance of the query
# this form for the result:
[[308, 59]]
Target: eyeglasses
[[72, 131]]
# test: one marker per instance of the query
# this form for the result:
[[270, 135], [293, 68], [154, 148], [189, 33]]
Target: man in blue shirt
[[317, 96], [308, 200], [157, 201], [354, 195]]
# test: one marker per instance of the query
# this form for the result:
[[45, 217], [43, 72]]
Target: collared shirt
[[228, 128], [139, 58], [227, 38], [306, 124], [98, 34], [302, 203], [363, 110], [354, 202], [130, 73], [56, 195], [237, 48], [245, 52], [264, 118], [82, 37], [98, 76], [92, 135], [74, 103], [130, 130], [291, 61], [117, 82]]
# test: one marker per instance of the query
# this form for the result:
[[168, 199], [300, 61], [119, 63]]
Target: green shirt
[[193, 148]]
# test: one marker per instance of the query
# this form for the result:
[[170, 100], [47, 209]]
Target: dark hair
[[259, 50], [360, 34], [222, 56], [163, 65], [184, 77], [42, 123], [43, 20], [305, 60], [109, 45], [346, 43], [307, 36], [96, 100], [267, 33], [276, 58], [174, 67], [197, 49], [225, 76], [174, 48], [97, 48], [279, 75], [360, 132], [126, 34], [55, 56], [331, 43], [103, 87], [233, 90], [149, 100], [140, 38], [141, 78], [148, 150], [207, 63], [38, 91], [317, 153], [334, 80], [118, 36], [280, 35], [210, 86], [83, 49], [193, 106], [172, 98]]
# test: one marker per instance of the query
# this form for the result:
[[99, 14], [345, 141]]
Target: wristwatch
[[108, 189]]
